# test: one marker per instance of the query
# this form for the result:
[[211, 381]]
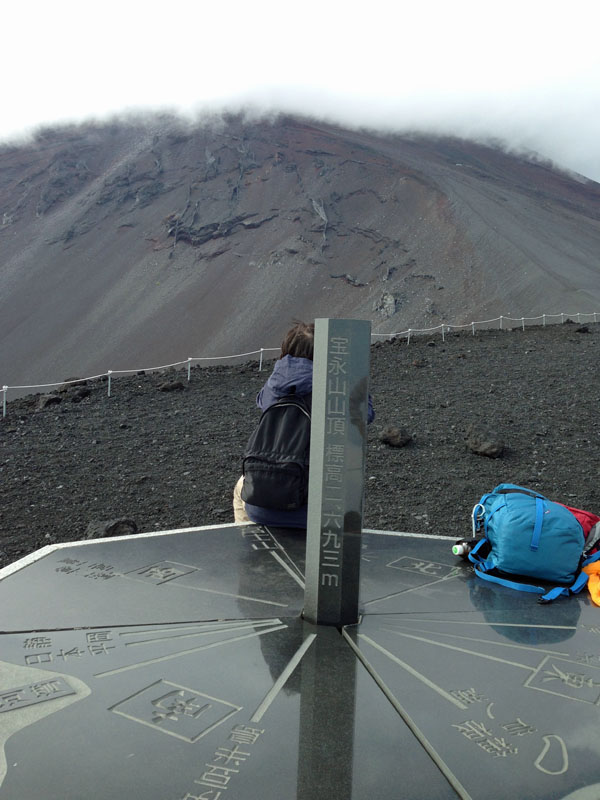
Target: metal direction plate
[[150, 684], [243, 708], [206, 574], [512, 703]]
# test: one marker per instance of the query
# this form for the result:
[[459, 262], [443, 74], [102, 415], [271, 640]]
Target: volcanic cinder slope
[[134, 244]]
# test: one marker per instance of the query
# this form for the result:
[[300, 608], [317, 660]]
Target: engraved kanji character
[[519, 728], [332, 521], [336, 406], [574, 680], [264, 541], [331, 558], [337, 386], [100, 576], [244, 734], [98, 636], [329, 580], [37, 642], [160, 573], [330, 539], [235, 755], [467, 695], [589, 659], [46, 688], [334, 454], [333, 473], [209, 794], [338, 345], [38, 658], [12, 698], [264, 546], [216, 775], [498, 747], [174, 704], [337, 365], [100, 648], [426, 567], [74, 652], [336, 427], [473, 730]]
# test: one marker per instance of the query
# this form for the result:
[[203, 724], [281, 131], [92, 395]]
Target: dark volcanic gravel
[[170, 459]]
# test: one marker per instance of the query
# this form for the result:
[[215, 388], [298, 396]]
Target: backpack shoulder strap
[[546, 596], [521, 587], [303, 402]]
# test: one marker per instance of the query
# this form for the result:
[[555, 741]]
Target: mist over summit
[[130, 244]]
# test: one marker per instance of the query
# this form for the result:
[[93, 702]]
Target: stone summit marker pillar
[[337, 464]]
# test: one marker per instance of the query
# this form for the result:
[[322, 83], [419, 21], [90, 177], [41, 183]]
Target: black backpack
[[275, 465]]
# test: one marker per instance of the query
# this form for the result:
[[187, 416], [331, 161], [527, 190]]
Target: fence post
[[562, 317], [443, 337], [523, 322], [473, 328], [500, 321], [109, 373], [408, 337], [544, 320], [189, 368], [4, 390]]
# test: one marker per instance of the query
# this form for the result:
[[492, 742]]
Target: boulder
[[386, 305], [171, 386], [46, 400], [71, 383], [113, 527], [79, 394], [394, 436], [484, 442]]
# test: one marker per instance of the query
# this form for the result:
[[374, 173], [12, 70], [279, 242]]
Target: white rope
[[58, 383], [408, 333], [147, 369]]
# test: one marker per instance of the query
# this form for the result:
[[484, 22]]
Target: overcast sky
[[527, 72]]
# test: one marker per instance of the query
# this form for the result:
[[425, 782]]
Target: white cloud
[[526, 71]]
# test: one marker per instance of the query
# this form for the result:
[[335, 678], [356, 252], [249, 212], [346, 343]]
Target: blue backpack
[[527, 535]]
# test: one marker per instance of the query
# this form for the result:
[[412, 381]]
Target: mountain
[[133, 244]]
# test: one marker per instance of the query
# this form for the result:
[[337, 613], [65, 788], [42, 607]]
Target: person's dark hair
[[299, 341]]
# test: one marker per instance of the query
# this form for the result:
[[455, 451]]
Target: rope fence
[[444, 328]]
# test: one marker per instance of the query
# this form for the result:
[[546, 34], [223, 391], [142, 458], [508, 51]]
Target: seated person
[[292, 374]]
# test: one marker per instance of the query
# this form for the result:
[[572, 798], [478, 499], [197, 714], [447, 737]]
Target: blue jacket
[[290, 375]]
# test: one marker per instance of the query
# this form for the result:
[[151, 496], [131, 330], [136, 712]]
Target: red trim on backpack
[[586, 518]]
